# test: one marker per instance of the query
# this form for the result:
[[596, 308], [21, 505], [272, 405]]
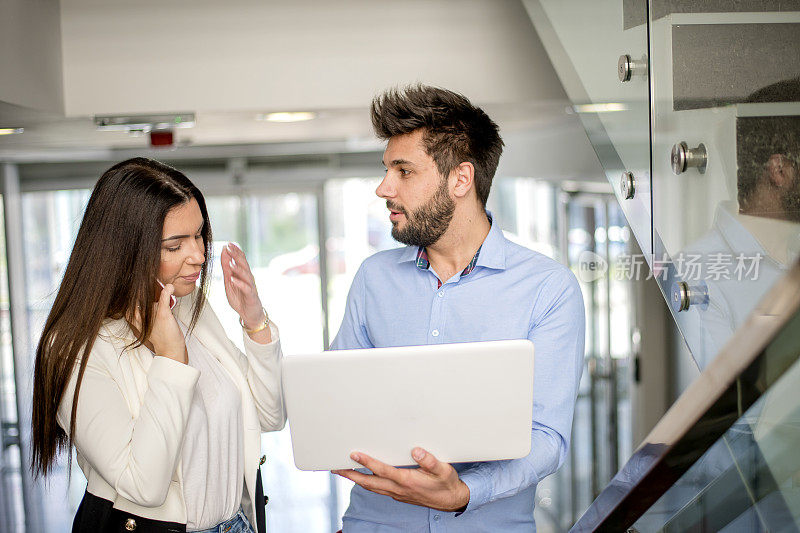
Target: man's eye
[[405, 172]]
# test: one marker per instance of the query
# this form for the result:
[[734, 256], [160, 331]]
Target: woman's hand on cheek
[[240, 286], [166, 336]]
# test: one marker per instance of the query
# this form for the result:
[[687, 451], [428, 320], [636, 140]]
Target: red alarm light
[[161, 138]]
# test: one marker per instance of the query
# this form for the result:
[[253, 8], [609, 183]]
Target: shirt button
[[436, 517], [435, 333], [441, 294]]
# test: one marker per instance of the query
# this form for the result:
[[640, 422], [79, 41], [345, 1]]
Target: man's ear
[[464, 175], [778, 171]]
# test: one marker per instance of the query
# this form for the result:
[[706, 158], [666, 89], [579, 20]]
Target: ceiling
[[47, 133]]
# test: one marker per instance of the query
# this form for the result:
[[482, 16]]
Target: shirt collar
[[423, 263], [732, 230], [409, 254], [493, 249], [491, 254]]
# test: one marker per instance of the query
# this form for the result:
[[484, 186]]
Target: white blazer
[[133, 408]]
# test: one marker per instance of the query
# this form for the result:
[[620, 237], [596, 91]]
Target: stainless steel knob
[[684, 158], [624, 68], [684, 296], [680, 296], [628, 67], [627, 185]]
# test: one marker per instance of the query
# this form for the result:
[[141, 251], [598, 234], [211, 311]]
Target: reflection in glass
[[724, 82], [753, 240]]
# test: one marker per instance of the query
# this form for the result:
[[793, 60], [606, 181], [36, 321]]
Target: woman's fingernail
[[355, 457], [419, 455]]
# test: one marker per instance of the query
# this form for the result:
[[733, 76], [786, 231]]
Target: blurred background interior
[[641, 137]]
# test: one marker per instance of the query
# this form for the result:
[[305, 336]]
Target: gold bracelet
[[265, 325]]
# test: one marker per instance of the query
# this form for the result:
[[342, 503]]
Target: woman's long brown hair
[[111, 271]]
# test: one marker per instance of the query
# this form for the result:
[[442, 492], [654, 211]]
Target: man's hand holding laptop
[[434, 484]]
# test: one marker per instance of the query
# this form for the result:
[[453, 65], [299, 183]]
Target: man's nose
[[385, 188]]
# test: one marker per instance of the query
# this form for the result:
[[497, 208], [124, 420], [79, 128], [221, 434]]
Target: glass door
[[279, 234]]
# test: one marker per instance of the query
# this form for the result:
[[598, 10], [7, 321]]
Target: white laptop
[[461, 402]]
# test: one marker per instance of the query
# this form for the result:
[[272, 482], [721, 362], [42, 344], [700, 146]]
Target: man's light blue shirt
[[513, 293]]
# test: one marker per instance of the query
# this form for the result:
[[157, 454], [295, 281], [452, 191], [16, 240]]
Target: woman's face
[[182, 247]]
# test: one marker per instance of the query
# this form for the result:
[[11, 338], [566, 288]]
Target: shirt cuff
[[480, 489]]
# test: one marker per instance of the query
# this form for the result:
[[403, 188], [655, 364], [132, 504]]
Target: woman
[[164, 411]]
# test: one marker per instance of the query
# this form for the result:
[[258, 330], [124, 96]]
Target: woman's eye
[[198, 236], [174, 249]]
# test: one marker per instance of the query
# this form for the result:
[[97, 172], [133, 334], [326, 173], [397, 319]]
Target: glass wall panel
[[748, 480], [726, 147], [599, 51]]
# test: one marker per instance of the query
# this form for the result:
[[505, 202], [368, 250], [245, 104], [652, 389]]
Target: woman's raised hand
[[166, 336], [240, 286]]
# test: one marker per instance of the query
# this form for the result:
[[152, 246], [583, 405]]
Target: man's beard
[[426, 224]]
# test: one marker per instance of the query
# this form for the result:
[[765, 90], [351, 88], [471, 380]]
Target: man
[[458, 280]]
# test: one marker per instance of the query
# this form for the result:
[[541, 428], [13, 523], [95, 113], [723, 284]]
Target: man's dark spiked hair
[[455, 131]]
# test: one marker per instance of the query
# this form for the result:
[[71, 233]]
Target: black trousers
[[97, 515]]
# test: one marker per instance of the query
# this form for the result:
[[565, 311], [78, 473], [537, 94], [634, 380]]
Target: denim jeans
[[237, 524]]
